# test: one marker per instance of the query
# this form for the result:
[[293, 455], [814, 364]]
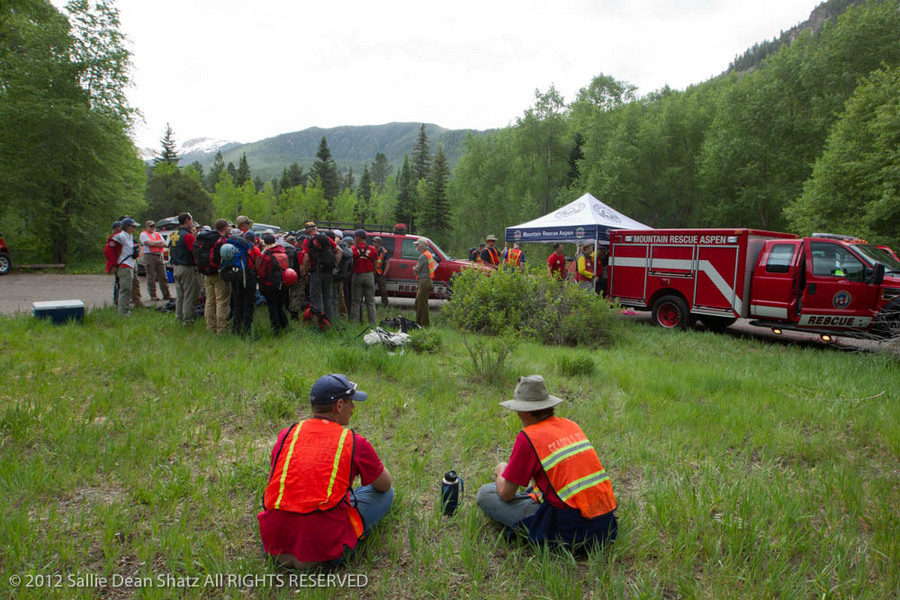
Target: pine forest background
[[801, 134]]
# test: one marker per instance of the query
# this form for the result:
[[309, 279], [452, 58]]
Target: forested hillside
[[352, 147]]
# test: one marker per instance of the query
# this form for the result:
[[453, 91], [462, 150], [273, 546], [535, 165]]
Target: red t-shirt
[[364, 258], [557, 265], [524, 466], [318, 536]]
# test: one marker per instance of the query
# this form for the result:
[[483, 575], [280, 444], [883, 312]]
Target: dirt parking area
[[19, 290]]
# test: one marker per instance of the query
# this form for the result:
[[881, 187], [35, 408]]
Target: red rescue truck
[[824, 284]]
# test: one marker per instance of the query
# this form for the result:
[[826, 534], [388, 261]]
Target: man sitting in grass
[[312, 515], [577, 507]]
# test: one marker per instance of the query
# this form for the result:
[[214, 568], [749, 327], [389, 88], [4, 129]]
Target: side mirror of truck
[[876, 277]]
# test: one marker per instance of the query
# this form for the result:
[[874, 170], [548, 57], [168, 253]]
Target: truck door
[[778, 281], [836, 295]]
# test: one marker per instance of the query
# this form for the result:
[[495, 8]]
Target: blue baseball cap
[[331, 388]]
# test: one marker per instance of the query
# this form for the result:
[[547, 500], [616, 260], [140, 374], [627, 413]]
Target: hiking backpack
[[111, 251], [207, 252], [271, 269], [236, 264], [323, 258]]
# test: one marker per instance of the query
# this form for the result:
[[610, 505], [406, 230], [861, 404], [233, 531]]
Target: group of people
[[331, 274], [313, 516], [488, 254]]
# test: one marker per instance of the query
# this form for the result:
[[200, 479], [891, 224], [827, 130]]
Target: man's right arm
[[383, 482]]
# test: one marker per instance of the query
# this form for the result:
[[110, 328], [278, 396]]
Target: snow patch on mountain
[[195, 146]]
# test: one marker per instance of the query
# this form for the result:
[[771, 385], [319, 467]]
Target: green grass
[[742, 468]]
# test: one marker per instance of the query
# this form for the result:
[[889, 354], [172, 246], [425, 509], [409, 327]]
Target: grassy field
[[743, 468]]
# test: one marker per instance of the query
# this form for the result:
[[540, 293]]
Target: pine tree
[[168, 154], [243, 172], [292, 177], [232, 170], [381, 170], [325, 169], [421, 156], [406, 201], [365, 185], [436, 212], [349, 181], [215, 171]]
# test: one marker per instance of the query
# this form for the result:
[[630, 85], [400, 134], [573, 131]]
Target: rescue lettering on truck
[[822, 283]]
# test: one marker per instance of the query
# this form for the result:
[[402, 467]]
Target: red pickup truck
[[5, 262], [824, 284]]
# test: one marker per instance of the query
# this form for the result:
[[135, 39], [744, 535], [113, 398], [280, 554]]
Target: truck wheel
[[671, 312], [716, 323], [5, 263]]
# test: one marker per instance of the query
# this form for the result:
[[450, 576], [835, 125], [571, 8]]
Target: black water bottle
[[451, 489]]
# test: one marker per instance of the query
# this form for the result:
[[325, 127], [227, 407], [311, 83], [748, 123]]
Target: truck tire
[[5, 263], [716, 323], [671, 312]]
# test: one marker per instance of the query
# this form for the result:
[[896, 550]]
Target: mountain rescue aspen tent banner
[[582, 221]]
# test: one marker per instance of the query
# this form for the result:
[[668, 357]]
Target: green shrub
[[489, 357], [532, 304], [573, 366], [425, 341]]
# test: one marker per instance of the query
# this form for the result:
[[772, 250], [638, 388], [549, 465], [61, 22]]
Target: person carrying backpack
[[296, 293], [239, 258], [181, 250], [321, 256], [271, 268], [111, 251], [208, 254]]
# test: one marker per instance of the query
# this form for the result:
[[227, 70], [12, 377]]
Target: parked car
[[5, 262], [403, 256]]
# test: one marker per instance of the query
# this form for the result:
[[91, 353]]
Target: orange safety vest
[[513, 257], [588, 265], [312, 471], [494, 255], [431, 264], [155, 237], [379, 262], [572, 466]]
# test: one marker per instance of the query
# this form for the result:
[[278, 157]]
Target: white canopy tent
[[582, 221]]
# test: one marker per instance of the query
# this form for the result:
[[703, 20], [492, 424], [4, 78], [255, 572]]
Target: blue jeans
[[372, 505], [507, 513]]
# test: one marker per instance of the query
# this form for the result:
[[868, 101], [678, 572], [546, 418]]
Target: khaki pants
[[156, 273], [425, 287], [218, 304], [186, 291], [126, 286], [363, 293]]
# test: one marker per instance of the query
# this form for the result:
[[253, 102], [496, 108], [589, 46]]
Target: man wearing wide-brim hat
[[575, 505], [490, 255]]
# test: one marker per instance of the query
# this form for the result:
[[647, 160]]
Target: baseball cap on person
[[149, 224], [129, 222], [491, 238], [360, 233], [309, 225], [250, 235], [334, 387], [241, 220]]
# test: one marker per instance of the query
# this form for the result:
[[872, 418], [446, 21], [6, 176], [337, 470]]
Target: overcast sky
[[243, 71]]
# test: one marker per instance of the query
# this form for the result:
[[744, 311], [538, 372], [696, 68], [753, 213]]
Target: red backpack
[[112, 250], [271, 268]]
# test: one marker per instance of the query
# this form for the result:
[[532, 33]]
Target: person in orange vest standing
[[490, 255], [512, 258], [424, 270], [311, 513], [381, 265], [154, 249], [576, 505]]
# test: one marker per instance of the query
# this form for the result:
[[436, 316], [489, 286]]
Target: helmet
[[227, 251], [289, 277]]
